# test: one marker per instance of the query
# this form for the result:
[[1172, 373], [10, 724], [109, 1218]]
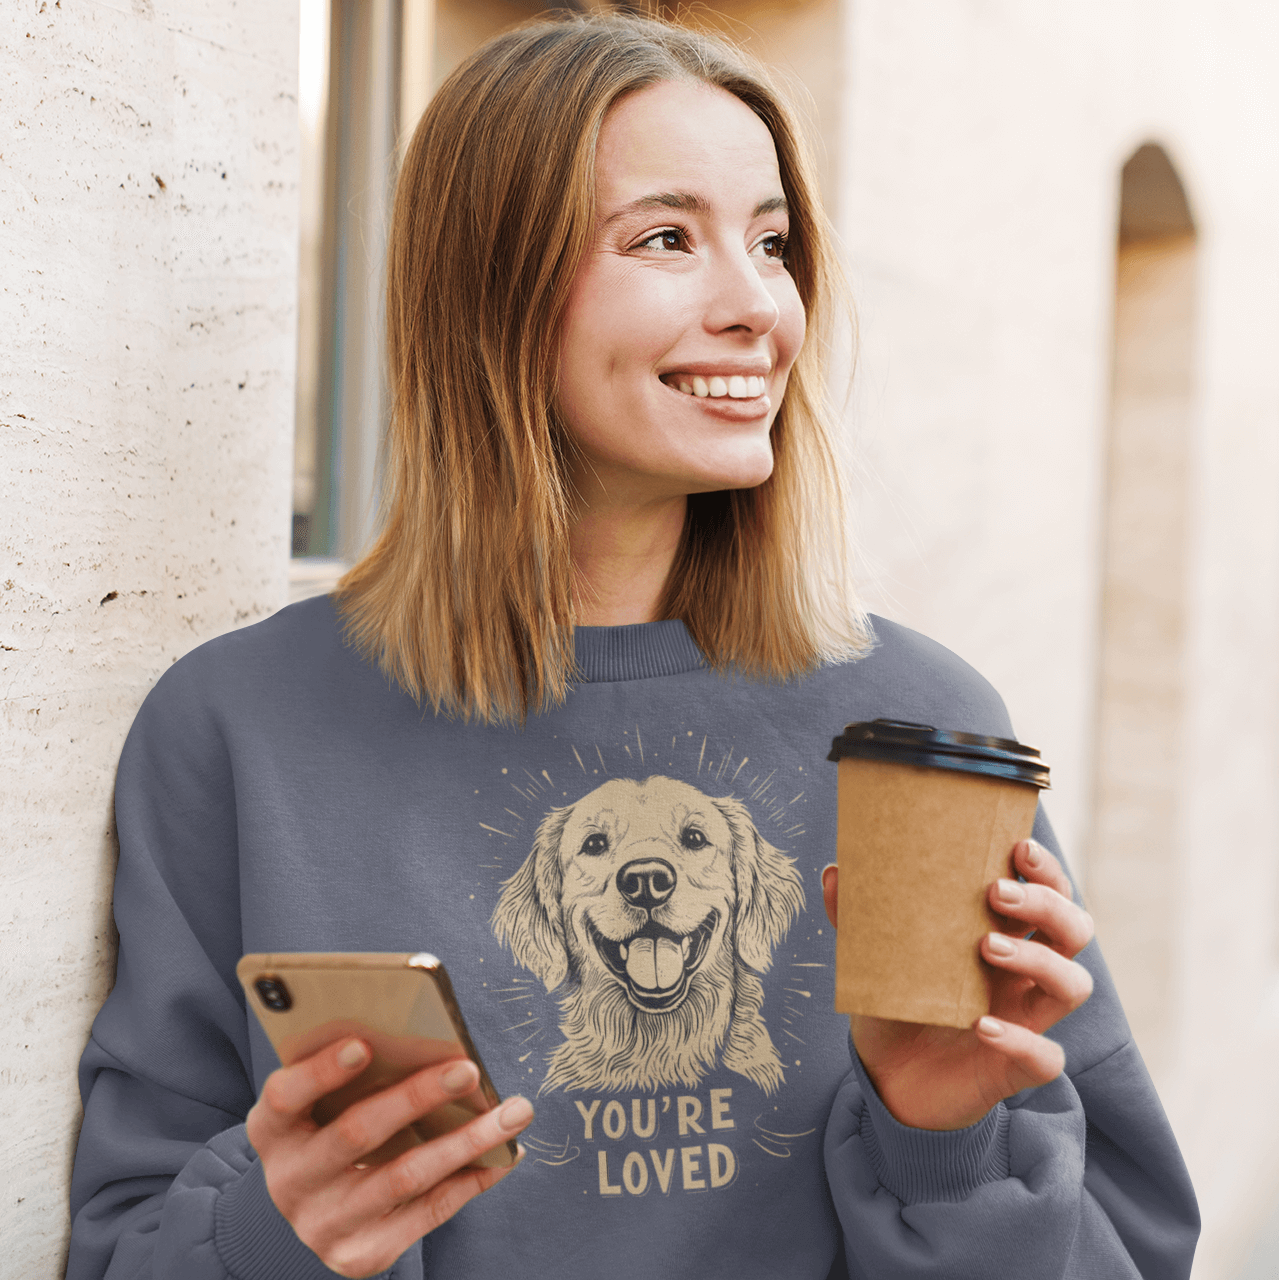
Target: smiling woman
[[613, 559], [588, 271], [679, 337]]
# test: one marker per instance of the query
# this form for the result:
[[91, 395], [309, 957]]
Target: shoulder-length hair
[[467, 597]]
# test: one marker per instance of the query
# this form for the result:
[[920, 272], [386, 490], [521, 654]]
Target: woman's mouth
[[729, 387]]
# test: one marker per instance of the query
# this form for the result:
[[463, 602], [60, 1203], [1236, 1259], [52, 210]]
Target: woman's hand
[[358, 1221], [944, 1078]]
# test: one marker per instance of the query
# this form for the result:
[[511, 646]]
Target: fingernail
[[1009, 891], [515, 1114], [1000, 944], [1034, 853], [990, 1027], [460, 1077], [352, 1054]]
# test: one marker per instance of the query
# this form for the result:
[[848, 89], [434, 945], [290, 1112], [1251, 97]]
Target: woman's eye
[[773, 247], [595, 844], [692, 838], [669, 240]]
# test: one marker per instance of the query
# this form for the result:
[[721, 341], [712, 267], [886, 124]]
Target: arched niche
[[1133, 863]]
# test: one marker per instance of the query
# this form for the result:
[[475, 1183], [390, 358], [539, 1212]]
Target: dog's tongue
[[651, 967]]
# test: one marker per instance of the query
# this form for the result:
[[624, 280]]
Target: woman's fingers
[[433, 1177], [1056, 920], [413, 1174], [366, 1125], [1065, 983], [289, 1093], [356, 1219], [374, 1249], [427, 1212], [345, 1219], [1030, 1059], [1039, 866]]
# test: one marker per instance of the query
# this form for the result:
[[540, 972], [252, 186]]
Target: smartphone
[[400, 1004]]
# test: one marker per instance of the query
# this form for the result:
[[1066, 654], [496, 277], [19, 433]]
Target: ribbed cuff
[[254, 1239], [921, 1166]]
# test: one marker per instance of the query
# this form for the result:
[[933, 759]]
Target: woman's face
[[683, 321]]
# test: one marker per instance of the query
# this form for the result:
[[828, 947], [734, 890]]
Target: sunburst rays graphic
[[692, 755], [778, 1144]]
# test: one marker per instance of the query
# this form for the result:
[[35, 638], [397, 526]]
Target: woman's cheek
[[791, 323]]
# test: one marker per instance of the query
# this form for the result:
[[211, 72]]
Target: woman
[[611, 564]]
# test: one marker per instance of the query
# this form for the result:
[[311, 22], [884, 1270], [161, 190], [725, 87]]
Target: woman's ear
[[769, 892], [528, 917]]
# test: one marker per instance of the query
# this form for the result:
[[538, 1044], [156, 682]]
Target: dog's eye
[[595, 844], [692, 838]]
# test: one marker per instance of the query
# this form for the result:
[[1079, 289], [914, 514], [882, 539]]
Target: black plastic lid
[[899, 742]]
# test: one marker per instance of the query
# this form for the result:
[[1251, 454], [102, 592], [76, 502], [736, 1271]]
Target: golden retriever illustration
[[659, 906]]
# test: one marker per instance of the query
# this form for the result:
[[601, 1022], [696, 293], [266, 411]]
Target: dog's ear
[[528, 917], [769, 891]]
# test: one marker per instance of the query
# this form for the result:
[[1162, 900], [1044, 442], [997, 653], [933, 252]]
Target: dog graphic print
[[656, 907]]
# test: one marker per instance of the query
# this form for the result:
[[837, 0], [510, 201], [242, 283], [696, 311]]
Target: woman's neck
[[622, 557]]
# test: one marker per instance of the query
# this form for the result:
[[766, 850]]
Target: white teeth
[[683, 946], [735, 387]]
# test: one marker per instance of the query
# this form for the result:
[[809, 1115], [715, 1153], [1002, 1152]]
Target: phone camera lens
[[274, 994]]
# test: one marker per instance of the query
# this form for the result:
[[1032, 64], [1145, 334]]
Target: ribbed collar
[[638, 652]]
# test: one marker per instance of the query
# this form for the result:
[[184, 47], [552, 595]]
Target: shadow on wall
[[1132, 866]]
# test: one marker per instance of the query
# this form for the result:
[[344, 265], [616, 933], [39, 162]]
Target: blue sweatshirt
[[700, 1111]]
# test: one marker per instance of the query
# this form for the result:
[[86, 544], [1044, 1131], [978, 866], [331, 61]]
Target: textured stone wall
[[148, 244]]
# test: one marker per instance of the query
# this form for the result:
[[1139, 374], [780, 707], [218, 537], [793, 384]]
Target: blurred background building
[[1058, 222]]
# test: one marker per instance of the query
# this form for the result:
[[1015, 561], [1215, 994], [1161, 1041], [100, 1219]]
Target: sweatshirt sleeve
[[166, 1185], [1080, 1179]]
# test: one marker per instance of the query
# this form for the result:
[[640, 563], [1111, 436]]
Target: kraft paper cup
[[927, 820]]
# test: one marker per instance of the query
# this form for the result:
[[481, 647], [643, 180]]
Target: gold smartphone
[[400, 1004]]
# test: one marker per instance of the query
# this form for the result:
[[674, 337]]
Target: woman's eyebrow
[[684, 201], [688, 202]]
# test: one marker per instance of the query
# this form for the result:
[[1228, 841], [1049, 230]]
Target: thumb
[[830, 892]]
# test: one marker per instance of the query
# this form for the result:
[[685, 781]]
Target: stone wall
[[148, 245]]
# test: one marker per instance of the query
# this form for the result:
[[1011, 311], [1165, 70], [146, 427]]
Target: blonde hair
[[466, 597]]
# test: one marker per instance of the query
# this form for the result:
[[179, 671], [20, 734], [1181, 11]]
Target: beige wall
[[148, 250], [981, 159]]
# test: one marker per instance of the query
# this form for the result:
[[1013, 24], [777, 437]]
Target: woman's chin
[[748, 473]]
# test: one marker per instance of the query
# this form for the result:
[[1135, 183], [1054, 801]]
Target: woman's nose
[[739, 298]]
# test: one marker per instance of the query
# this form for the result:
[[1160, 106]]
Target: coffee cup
[[927, 821]]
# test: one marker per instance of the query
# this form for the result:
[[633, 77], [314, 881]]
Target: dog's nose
[[646, 883]]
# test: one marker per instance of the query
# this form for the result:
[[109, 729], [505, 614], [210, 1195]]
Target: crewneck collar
[[638, 652]]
